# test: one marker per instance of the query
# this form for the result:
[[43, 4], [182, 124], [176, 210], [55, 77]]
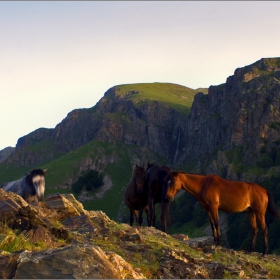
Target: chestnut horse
[[135, 197], [215, 193], [154, 185]]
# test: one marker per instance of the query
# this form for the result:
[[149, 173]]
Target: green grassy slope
[[173, 95], [67, 167]]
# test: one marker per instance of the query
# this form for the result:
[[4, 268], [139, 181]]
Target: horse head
[[172, 185], [37, 178], [139, 177]]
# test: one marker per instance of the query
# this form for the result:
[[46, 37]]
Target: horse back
[[154, 181], [235, 195], [14, 186]]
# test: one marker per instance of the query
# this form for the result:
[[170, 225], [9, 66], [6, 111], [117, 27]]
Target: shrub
[[265, 161], [90, 180]]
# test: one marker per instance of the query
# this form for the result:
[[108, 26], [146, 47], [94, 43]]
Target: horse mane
[[34, 172], [138, 170], [187, 173]]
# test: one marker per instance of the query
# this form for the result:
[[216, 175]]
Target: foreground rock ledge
[[81, 244]]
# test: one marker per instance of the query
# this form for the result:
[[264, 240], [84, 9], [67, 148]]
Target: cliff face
[[244, 112], [5, 153], [116, 118], [238, 120], [148, 124]]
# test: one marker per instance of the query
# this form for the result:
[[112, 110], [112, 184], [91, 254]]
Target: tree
[[90, 180]]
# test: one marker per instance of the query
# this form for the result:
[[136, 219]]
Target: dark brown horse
[[215, 193], [154, 185], [135, 197]]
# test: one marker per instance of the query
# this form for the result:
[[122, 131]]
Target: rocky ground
[[58, 239]]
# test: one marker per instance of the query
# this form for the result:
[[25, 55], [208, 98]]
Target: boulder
[[88, 262]]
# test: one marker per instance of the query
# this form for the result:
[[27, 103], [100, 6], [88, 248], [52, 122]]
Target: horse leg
[[148, 215], [254, 227], [152, 211], [136, 213], [261, 219], [154, 216], [164, 211], [215, 225], [140, 216], [131, 216]]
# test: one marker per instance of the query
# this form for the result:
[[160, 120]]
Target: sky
[[57, 56]]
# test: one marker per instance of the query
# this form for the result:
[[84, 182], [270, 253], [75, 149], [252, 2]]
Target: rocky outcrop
[[244, 112], [5, 153], [151, 124], [70, 242], [241, 115]]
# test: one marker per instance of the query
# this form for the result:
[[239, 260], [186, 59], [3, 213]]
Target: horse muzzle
[[41, 198], [169, 198]]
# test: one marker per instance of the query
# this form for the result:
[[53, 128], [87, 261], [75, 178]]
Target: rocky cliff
[[235, 121], [59, 239], [149, 118], [241, 116], [5, 153]]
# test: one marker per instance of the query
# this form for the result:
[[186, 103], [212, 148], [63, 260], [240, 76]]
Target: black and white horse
[[32, 184]]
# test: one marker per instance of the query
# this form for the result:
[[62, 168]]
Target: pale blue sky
[[59, 56]]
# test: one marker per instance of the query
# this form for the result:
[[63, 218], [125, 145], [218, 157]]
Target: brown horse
[[215, 193], [154, 185], [135, 197]]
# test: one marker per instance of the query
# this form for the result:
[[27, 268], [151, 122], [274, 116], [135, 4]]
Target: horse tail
[[273, 210]]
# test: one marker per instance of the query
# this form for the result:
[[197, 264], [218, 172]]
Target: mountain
[[147, 115], [131, 124], [236, 126], [5, 153], [232, 130]]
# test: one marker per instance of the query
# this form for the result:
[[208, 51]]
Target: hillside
[[236, 126], [59, 239], [131, 124], [231, 130]]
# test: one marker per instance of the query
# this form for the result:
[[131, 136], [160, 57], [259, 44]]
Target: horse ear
[[45, 170]]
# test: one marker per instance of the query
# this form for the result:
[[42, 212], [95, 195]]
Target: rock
[[64, 208], [78, 256], [70, 262], [41, 234], [80, 224], [8, 264], [179, 265], [181, 237], [200, 241], [5, 153], [125, 270], [135, 237]]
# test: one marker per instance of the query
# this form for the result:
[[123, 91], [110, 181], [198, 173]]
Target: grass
[[188, 229], [11, 173], [11, 241], [175, 96], [65, 169]]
